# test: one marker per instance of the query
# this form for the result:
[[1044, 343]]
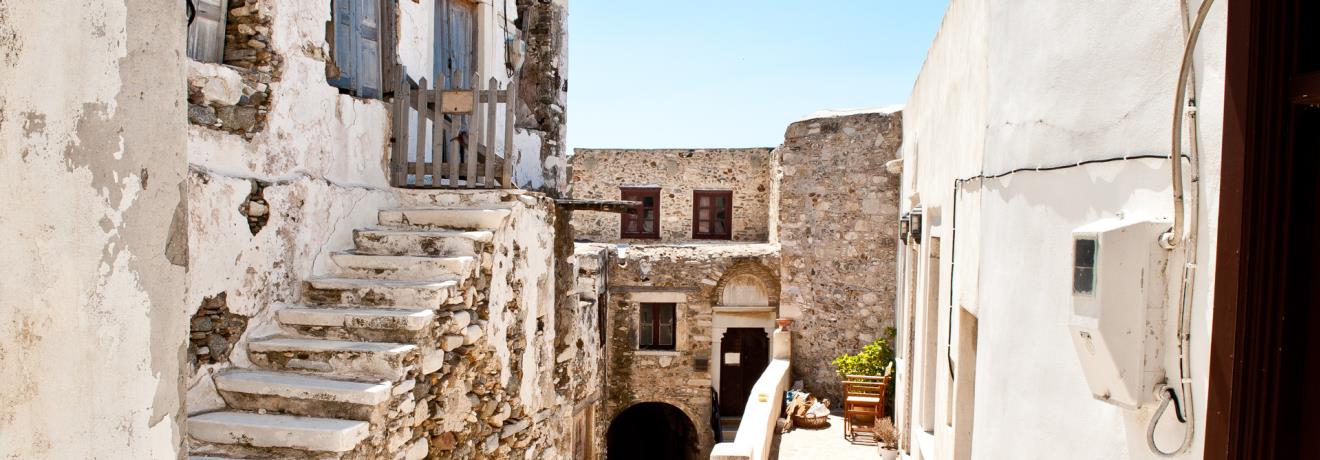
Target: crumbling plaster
[[598, 174], [92, 328]]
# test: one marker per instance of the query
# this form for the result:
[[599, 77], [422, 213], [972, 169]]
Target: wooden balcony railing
[[452, 142]]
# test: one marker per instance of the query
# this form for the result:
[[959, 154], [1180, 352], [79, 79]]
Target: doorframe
[[1247, 370], [721, 322]]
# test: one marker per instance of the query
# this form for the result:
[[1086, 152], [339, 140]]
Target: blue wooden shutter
[[456, 32], [343, 46], [367, 82]]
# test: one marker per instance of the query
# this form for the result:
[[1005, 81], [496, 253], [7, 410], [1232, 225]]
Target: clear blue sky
[[734, 73]]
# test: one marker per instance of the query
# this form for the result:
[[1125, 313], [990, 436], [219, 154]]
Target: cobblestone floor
[[827, 444]]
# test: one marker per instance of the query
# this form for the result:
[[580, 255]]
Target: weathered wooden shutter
[[456, 47], [206, 34], [368, 47], [356, 47], [343, 45]]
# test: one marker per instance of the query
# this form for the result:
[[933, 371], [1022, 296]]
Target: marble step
[[298, 394], [382, 293], [488, 217], [339, 358], [278, 431], [357, 318], [402, 242], [351, 264]]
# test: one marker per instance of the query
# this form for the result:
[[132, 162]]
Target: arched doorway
[[651, 431]]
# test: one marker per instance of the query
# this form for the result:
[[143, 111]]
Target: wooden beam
[[614, 206]]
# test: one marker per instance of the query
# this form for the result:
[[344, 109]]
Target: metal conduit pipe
[[1183, 402]]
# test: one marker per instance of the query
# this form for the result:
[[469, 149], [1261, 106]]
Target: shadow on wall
[[652, 431]]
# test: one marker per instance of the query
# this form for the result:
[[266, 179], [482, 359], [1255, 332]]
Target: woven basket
[[809, 422]]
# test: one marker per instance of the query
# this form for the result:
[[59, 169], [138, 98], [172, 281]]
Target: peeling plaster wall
[[92, 324], [838, 227], [598, 174], [692, 277], [322, 160]]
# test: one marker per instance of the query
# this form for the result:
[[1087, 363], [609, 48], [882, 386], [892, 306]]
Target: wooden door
[[744, 354]]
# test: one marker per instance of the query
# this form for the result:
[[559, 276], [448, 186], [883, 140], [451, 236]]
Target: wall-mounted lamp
[[515, 52], [904, 225]]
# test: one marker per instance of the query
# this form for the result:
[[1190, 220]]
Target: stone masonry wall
[[598, 174], [692, 273], [838, 227]]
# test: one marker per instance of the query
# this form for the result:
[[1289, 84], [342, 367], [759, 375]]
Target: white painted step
[[381, 293], [393, 241], [285, 431], [364, 318], [333, 357], [297, 386], [489, 217], [400, 267]]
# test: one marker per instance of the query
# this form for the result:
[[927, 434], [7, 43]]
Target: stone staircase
[[338, 382]]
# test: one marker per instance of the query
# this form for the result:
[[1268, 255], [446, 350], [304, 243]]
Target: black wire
[[1070, 165], [192, 12]]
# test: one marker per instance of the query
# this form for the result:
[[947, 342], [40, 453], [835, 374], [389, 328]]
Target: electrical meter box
[[1118, 296]]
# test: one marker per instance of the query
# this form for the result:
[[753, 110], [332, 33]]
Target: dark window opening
[[644, 222], [655, 329], [712, 214]]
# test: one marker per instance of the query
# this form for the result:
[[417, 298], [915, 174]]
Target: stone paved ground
[[827, 443]]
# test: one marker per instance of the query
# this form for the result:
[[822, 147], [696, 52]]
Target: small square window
[[644, 222], [656, 326], [712, 214]]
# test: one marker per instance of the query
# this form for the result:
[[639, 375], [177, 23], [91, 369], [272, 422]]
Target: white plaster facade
[[987, 288]]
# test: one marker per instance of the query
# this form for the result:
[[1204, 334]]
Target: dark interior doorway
[[1265, 343], [744, 353], [651, 431]]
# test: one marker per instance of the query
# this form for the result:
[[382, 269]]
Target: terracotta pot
[[784, 323]]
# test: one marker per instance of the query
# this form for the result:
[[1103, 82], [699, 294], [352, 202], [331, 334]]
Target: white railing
[[757, 429]]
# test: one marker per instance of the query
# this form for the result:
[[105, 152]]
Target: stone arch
[[653, 431], [744, 277], [745, 290]]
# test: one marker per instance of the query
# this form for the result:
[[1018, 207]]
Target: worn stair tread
[[277, 344], [355, 254], [330, 282], [487, 217], [476, 235], [275, 430], [298, 386], [351, 316]]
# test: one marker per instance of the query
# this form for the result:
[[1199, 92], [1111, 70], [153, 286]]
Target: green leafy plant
[[872, 360]]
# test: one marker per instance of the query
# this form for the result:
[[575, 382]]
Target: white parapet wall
[[757, 429]]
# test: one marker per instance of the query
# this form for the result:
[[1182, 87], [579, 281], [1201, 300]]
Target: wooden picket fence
[[462, 141]]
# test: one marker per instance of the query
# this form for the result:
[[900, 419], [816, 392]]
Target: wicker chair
[[864, 402]]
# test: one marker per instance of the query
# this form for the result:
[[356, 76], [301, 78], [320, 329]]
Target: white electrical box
[[1117, 321]]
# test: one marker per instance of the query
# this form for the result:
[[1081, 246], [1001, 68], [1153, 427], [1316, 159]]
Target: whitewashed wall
[[1024, 84]]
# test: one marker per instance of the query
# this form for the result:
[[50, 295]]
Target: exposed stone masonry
[[236, 96], [838, 205], [213, 331]]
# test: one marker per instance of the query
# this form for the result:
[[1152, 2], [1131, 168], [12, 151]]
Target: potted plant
[[874, 358], [887, 438]]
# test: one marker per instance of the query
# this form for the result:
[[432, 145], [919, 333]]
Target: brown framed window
[[645, 221], [712, 214], [655, 328]]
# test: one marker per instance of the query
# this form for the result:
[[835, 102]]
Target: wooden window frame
[[696, 210], [637, 194], [653, 317], [349, 79]]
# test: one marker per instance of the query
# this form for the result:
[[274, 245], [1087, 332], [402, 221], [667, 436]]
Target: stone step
[[488, 217], [382, 293], [278, 431], [357, 318], [298, 394], [351, 264], [401, 242], [344, 359]]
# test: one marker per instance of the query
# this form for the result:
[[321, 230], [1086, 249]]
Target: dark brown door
[[744, 353]]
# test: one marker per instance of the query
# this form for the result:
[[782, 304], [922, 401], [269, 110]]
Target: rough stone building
[[224, 267], [726, 241], [838, 208]]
